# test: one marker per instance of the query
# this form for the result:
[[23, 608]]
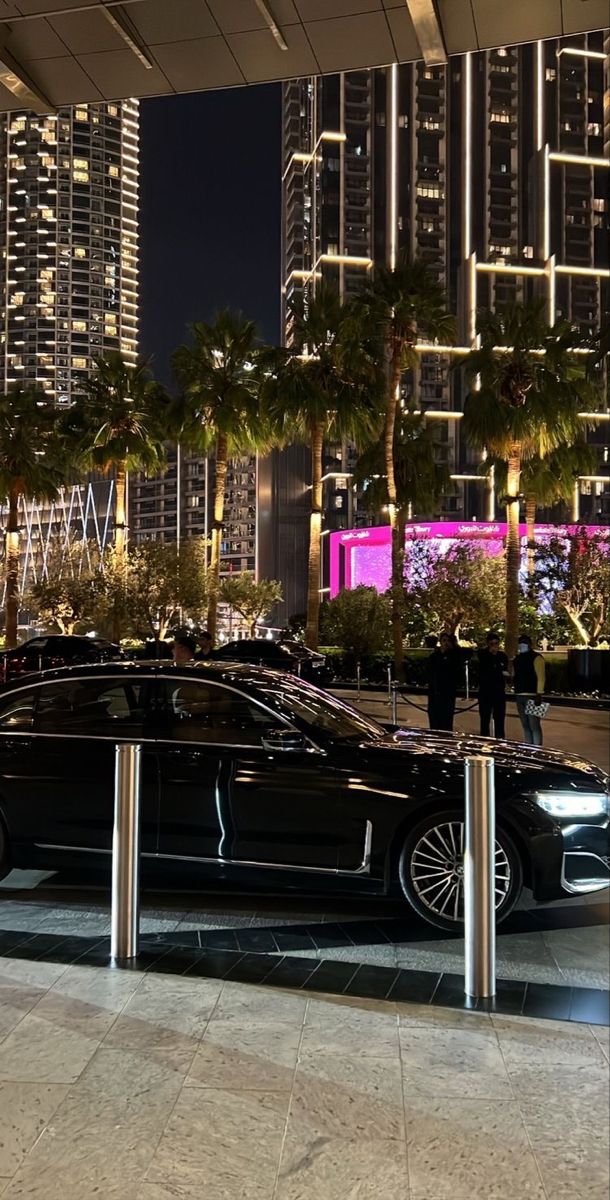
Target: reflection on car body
[[257, 777]]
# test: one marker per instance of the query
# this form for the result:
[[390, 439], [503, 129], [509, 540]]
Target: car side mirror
[[283, 741]]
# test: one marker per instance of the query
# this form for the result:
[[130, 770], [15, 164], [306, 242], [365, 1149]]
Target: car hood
[[509, 755]]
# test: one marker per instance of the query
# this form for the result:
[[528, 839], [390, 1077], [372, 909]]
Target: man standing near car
[[493, 669]]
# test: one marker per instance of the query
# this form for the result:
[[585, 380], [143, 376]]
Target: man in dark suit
[[493, 670]]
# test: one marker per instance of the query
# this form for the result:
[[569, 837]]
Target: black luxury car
[[261, 779], [55, 650], [283, 655]]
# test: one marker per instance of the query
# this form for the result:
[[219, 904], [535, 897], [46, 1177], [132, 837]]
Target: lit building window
[[79, 363], [113, 171], [81, 114], [80, 176], [79, 326], [112, 110], [80, 252]]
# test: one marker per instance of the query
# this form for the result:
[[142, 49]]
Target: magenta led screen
[[362, 556]]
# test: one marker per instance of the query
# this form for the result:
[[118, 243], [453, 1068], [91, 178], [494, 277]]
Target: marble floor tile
[[260, 1057], [224, 1143], [338, 1029], [184, 1005], [569, 1137], [41, 975], [377, 956], [323, 1168], [25, 1109], [428, 1016], [240, 1002], [38, 1050], [601, 1033], [453, 1063], [466, 1149], [544, 1043], [152, 1041], [347, 1097], [583, 1079], [69, 1013], [109, 989], [103, 1135]]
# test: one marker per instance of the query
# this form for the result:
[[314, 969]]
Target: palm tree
[[33, 463], [421, 479], [532, 387], [326, 387], [403, 305], [119, 424], [218, 410], [548, 481]]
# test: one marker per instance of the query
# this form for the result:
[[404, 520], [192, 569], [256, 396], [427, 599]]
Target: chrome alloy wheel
[[437, 870]]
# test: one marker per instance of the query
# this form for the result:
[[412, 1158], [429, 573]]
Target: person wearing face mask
[[528, 680]]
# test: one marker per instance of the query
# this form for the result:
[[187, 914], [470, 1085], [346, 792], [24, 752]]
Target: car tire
[[430, 871]]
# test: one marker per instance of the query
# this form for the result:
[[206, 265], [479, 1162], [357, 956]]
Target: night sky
[[210, 213]]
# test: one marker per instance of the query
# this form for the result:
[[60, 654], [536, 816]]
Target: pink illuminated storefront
[[362, 556]]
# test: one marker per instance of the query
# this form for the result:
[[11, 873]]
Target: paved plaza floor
[[117, 1085]]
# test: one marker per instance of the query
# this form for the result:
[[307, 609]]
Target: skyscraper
[[68, 271], [494, 169]]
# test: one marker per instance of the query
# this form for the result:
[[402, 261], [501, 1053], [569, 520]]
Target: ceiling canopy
[[58, 52]]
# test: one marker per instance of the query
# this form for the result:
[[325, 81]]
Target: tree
[[34, 463], [358, 619], [162, 583], [119, 424], [573, 574], [325, 387], [461, 590], [421, 479], [547, 481], [402, 305], [532, 387], [67, 591], [218, 410], [250, 598]]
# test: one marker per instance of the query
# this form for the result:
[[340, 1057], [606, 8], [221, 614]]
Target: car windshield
[[306, 705]]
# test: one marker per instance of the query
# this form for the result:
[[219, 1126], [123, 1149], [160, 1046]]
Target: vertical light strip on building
[[392, 176], [467, 185], [539, 95]]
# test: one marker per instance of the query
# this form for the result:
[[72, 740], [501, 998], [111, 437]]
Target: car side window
[[17, 713], [92, 708], [206, 712]]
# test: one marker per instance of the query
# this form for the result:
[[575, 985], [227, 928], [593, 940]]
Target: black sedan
[[284, 655], [55, 650], [260, 779]]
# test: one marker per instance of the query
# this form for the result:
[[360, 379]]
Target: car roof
[[221, 672]]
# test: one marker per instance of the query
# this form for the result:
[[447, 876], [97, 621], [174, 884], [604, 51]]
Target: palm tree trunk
[[397, 526], [120, 539], [513, 550], [222, 458], [530, 517], [120, 515], [11, 601], [312, 628]]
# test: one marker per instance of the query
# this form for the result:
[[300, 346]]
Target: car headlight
[[573, 805]]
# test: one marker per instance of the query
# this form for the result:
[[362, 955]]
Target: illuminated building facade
[[494, 169], [68, 273]]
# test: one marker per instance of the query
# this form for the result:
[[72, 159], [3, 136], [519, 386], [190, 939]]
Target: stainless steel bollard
[[125, 929], [467, 673], [390, 684], [394, 704], [479, 878], [358, 677]]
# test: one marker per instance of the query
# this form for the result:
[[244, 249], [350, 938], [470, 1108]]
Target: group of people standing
[[446, 673]]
